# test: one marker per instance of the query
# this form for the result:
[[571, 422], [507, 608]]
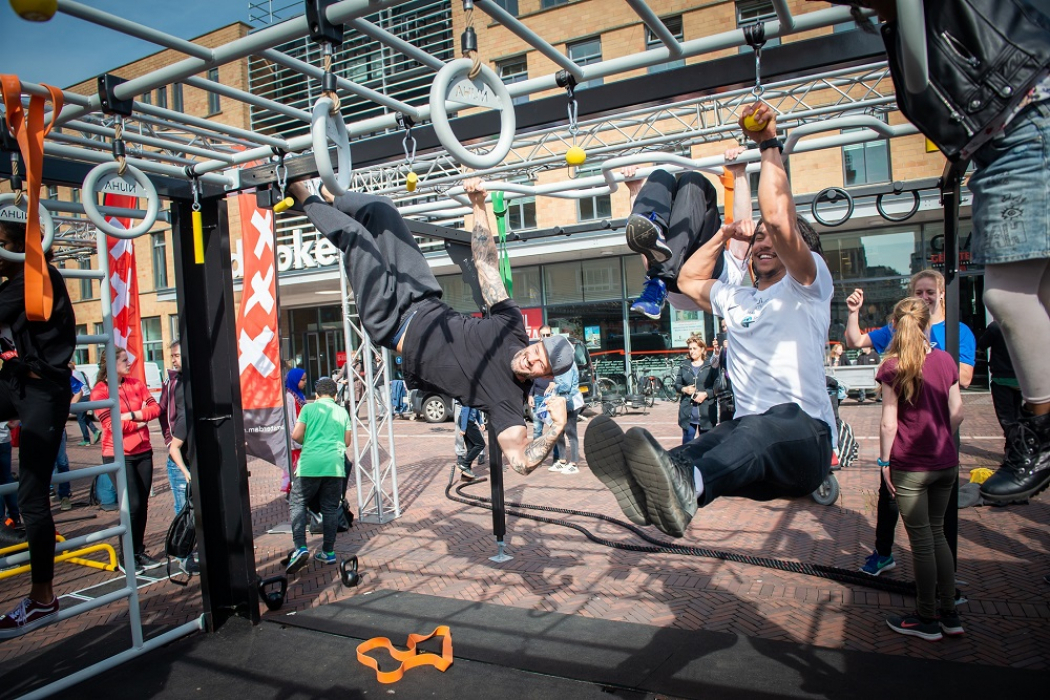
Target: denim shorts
[[1011, 191]]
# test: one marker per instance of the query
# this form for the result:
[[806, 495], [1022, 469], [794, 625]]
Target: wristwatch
[[771, 143], [881, 463]]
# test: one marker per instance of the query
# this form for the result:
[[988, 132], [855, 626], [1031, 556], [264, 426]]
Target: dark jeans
[[65, 490], [42, 406], [138, 469], [1007, 402], [474, 442], [386, 269], [888, 512], [9, 502], [330, 490], [925, 499], [87, 426], [691, 433], [781, 453], [687, 209], [572, 454]]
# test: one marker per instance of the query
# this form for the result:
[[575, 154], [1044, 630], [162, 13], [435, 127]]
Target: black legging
[[42, 407], [139, 472]]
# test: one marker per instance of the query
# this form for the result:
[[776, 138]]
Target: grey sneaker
[[645, 236], [670, 491], [603, 446]]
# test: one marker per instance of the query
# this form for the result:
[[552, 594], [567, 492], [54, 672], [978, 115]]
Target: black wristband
[[771, 143]]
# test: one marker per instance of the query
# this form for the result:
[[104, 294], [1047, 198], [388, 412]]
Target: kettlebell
[[274, 599], [348, 572]]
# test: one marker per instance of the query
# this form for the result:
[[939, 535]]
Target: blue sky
[[67, 50]]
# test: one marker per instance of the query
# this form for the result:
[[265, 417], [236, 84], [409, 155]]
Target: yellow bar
[[198, 238], [73, 557]]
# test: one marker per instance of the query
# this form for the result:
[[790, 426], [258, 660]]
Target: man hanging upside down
[[779, 443], [486, 363]]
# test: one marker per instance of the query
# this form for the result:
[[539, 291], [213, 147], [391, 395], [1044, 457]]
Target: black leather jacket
[[984, 56]]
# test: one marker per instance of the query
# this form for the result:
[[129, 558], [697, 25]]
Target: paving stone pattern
[[440, 547]]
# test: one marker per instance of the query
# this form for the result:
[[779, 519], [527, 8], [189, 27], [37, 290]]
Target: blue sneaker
[[651, 301], [325, 557], [297, 560], [875, 564], [645, 236]]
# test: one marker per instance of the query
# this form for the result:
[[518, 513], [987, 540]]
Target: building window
[[52, 192], [87, 286], [176, 97], [162, 97], [153, 342], [674, 26], [160, 261], [100, 348], [80, 355], [514, 70], [584, 53], [173, 322], [596, 207], [753, 12], [511, 6], [214, 106], [547, 4], [866, 163], [521, 212], [76, 194], [147, 98]]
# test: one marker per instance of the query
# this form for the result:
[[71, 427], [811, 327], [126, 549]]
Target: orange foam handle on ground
[[409, 658]]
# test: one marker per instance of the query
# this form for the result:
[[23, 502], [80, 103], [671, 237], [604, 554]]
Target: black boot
[[1026, 469]]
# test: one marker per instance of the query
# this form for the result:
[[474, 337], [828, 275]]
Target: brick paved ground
[[439, 547]]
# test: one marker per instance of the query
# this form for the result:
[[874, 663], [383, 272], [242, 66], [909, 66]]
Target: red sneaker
[[27, 616]]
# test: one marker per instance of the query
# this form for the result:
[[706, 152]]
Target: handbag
[[181, 539]]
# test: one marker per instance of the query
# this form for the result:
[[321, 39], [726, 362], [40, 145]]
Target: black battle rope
[[855, 578]]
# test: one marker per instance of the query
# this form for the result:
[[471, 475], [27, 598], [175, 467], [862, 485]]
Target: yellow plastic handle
[[411, 182], [198, 238], [283, 205]]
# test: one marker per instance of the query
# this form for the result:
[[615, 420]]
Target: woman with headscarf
[[294, 400]]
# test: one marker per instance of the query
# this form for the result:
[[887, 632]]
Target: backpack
[[182, 537], [849, 448]]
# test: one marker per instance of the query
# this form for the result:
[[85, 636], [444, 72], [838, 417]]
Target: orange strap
[[408, 658], [729, 185], [29, 130]]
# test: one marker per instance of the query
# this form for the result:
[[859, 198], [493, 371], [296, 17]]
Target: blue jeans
[[86, 427], [62, 467], [178, 485], [1011, 191], [9, 503], [105, 490]]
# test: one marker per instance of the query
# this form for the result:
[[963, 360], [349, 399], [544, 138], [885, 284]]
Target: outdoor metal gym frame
[[194, 163]]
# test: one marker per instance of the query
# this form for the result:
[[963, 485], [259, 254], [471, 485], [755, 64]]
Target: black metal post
[[951, 190], [215, 446], [499, 510]]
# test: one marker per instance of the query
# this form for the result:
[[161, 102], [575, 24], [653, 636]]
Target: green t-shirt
[[324, 443]]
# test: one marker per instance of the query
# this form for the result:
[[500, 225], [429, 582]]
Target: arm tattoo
[[537, 450], [486, 263]]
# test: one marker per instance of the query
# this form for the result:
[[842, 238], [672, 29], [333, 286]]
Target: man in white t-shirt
[[780, 441]]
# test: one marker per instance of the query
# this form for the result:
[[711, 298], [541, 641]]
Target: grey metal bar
[[656, 26], [75, 274], [207, 125], [145, 165], [397, 43], [351, 87], [78, 208], [104, 19], [133, 137], [143, 119], [787, 21], [911, 23], [514, 25], [91, 339], [249, 98], [90, 143]]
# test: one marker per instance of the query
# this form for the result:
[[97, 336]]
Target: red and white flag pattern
[[124, 288]]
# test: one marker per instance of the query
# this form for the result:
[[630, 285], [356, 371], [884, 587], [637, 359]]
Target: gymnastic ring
[[916, 202], [139, 186], [824, 193], [9, 211], [326, 127], [499, 99]]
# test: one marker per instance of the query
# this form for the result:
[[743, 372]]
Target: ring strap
[[409, 658], [29, 130]]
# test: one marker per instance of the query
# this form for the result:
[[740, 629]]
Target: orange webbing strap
[[29, 130], [728, 184], [408, 658]]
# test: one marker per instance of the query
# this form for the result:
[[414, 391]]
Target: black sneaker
[[670, 490], [146, 562], [139, 570], [1025, 471], [603, 447], [465, 472], [950, 623], [914, 626], [190, 566], [644, 236], [9, 537]]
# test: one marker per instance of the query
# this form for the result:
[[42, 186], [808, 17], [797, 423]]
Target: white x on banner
[[262, 292], [253, 352]]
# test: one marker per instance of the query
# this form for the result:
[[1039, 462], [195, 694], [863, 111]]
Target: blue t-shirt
[[76, 385], [881, 337]]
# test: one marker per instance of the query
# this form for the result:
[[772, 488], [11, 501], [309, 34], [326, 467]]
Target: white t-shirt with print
[[776, 343], [733, 272]]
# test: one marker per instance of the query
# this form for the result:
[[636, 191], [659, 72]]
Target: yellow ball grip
[[575, 156]]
